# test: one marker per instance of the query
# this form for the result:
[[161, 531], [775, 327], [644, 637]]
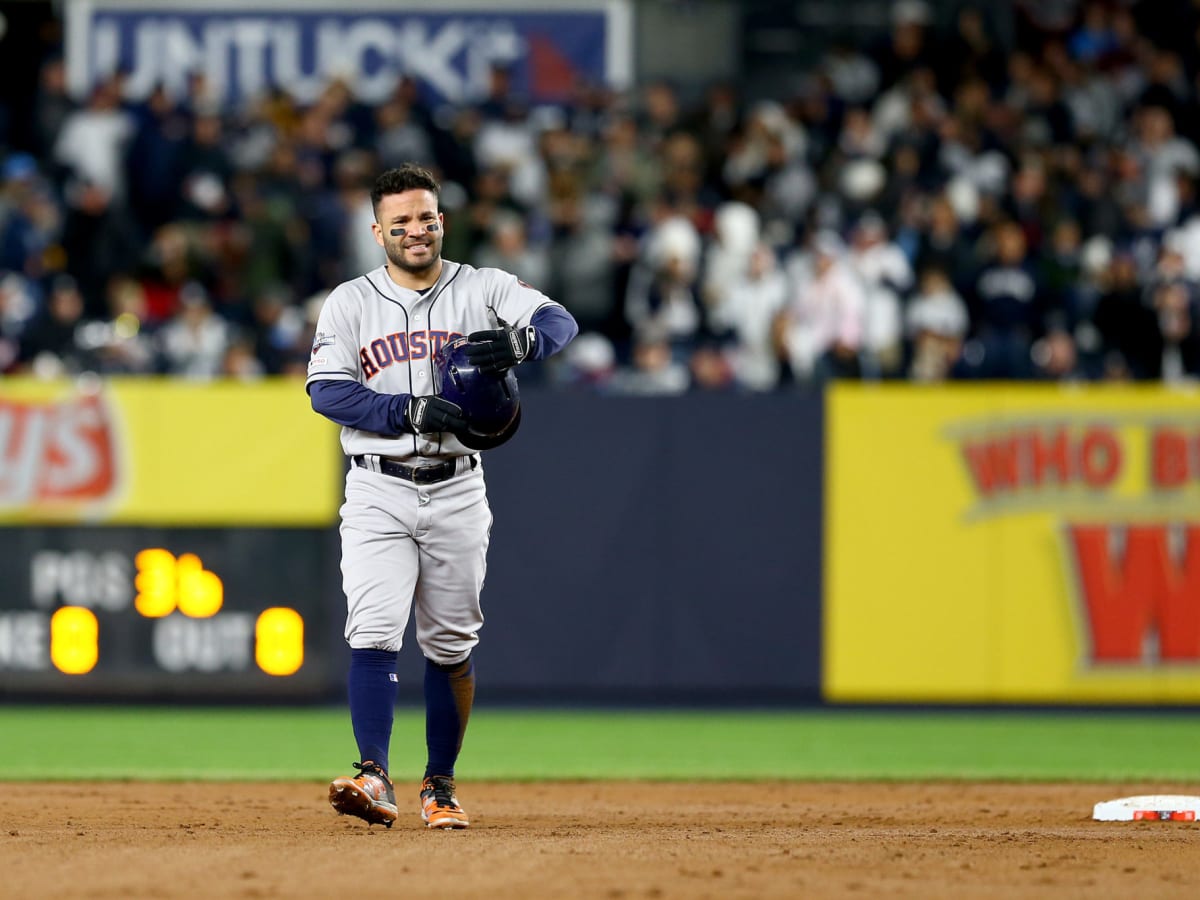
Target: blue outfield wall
[[644, 551], [656, 550]]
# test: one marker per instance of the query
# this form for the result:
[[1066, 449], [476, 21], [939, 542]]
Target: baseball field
[[116, 802]]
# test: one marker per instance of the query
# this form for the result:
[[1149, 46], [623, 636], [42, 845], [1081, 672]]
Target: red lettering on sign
[[1051, 456], [1144, 588], [993, 465], [56, 452], [1043, 457], [1169, 458], [1099, 457]]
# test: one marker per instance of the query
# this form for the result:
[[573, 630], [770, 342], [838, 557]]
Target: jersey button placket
[[423, 514], [417, 320]]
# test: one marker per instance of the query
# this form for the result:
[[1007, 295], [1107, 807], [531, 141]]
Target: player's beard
[[398, 256]]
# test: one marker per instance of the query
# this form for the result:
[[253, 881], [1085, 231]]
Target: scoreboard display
[[160, 612], [142, 558]]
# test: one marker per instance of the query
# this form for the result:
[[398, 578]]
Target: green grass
[[273, 743]]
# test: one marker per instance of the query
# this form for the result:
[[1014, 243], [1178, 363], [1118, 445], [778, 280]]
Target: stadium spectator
[[194, 344], [765, 166], [18, 307], [582, 257], [30, 219], [240, 360], [402, 136], [747, 311], [654, 371], [279, 338], [92, 141], [50, 344], [820, 330], [1176, 307], [1008, 308], [736, 235], [661, 303], [99, 240], [907, 44], [507, 247], [943, 244], [122, 343], [935, 326], [52, 106], [171, 261], [970, 51], [1161, 155], [887, 277], [156, 160], [206, 170]]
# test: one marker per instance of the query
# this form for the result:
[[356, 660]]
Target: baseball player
[[416, 521]]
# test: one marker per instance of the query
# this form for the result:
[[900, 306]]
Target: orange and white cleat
[[368, 795], [439, 806]]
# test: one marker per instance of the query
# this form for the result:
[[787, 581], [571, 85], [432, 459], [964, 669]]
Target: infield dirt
[[601, 839]]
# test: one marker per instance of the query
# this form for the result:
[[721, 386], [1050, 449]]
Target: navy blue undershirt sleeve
[[356, 406], [555, 328]]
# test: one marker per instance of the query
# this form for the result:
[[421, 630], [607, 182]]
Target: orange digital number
[[74, 640], [279, 641], [165, 584]]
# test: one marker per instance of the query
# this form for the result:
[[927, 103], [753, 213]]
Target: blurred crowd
[[939, 205]]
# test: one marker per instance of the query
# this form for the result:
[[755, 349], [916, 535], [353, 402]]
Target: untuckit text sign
[[449, 49]]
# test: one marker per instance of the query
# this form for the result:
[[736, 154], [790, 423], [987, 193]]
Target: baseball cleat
[[439, 806], [368, 795]]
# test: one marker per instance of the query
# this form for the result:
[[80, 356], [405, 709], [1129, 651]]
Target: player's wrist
[[529, 337], [399, 414]]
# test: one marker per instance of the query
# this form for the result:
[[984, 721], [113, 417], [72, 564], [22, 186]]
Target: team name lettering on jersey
[[401, 347]]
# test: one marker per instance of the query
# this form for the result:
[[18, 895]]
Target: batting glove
[[501, 348], [425, 415]]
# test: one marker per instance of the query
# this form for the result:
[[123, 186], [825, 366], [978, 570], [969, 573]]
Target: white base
[[1152, 807]]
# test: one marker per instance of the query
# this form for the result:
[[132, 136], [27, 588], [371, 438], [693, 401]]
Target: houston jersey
[[384, 336]]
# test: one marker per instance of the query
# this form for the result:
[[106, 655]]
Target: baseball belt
[[416, 474]]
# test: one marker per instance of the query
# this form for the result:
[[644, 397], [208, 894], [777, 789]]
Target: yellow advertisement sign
[[1018, 543], [145, 452]]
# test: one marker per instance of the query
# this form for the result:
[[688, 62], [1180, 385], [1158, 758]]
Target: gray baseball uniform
[[385, 337]]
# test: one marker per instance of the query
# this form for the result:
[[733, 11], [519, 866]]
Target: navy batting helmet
[[491, 403]]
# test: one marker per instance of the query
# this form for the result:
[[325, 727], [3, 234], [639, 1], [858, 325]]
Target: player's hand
[[425, 415], [501, 348]]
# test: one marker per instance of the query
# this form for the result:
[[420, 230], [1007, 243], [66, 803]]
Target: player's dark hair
[[408, 177]]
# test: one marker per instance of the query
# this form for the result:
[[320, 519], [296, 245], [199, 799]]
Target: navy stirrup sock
[[372, 686], [449, 693]]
